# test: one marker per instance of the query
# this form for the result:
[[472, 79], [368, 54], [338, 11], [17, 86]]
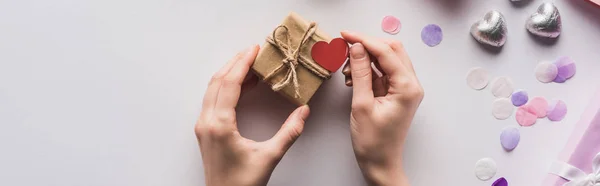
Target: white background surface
[[106, 92]]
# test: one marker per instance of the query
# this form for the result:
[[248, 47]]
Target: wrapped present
[[285, 61], [579, 162]]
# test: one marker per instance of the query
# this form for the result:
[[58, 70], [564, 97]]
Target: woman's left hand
[[229, 158]]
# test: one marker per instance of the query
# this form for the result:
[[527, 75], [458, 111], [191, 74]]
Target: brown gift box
[[270, 58]]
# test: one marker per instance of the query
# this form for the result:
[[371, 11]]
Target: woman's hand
[[230, 159], [382, 107]]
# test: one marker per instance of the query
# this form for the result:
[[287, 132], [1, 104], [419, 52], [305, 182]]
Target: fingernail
[[347, 32], [304, 111], [346, 70], [357, 51], [249, 50], [348, 81]]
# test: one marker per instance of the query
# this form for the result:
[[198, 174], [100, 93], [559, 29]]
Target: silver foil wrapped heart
[[491, 30], [546, 22]]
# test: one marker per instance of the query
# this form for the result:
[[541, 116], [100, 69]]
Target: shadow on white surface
[[542, 41], [271, 109], [324, 141], [261, 112], [450, 7], [489, 49], [521, 4], [324, 2]]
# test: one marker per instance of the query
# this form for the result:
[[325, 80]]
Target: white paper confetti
[[502, 108], [546, 72], [477, 78], [502, 87], [485, 169]]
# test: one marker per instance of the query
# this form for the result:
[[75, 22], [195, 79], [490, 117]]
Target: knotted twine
[[293, 58]]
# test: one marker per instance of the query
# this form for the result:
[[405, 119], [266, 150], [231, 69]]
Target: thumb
[[291, 129], [360, 63]]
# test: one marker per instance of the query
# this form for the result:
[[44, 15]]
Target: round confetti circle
[[519, 98], [477, 78], [566, 69], [557, 110], [390, 25], [485, 169], [509, 138], [502, 87], [526, 116], [540, 105], [502, 108], [432, 35], [546, 72]]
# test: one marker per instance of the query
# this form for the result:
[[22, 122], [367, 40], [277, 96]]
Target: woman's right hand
[[382, 107]]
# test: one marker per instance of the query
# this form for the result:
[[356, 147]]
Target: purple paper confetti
[[500, 182], [432, 35], [519, 98], [509, 138], [390, 24], [560, 79], [566, 69], [557, 110]]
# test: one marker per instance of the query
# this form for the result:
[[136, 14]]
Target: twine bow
[[576, 176], [293, 58]]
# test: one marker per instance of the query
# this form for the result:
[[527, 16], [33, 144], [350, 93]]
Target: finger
[[346, 70], [210, 96], [361, 76], [348, 81], [374, 76], [398, 48], [385, 55], [290, 130], [231, 87]]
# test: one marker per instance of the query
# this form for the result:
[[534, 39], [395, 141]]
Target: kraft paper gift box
[[272, 65], [579, 162]]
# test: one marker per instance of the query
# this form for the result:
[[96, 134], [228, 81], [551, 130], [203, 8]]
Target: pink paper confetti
[[390, 25], [526, 115], [540, 105], [557, 110]]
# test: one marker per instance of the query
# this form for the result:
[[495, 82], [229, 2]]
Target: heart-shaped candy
[[332, 55], [545, 22], [491, 30]]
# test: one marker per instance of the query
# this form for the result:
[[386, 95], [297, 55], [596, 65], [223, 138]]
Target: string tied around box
[[293, 59]]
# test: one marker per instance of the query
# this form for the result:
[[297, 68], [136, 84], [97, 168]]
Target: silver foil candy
[[546, 22], [491, 30]]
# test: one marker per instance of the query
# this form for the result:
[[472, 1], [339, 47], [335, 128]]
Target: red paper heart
[[332, 55]]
